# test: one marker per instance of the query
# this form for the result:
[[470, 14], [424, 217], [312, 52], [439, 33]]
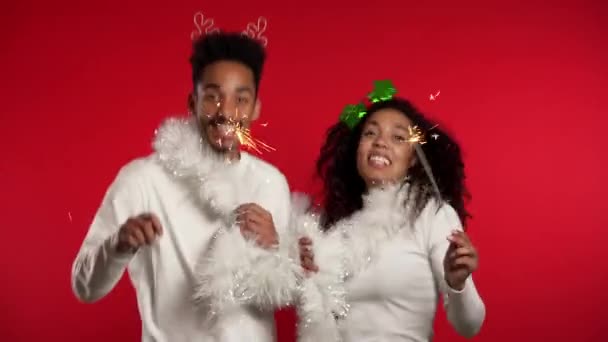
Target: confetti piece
[[433, 97]]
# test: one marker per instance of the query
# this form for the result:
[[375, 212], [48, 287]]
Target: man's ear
[[191, 102], [256, 109]]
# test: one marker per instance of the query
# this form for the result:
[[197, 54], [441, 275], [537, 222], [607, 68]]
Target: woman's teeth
[[379, 160]]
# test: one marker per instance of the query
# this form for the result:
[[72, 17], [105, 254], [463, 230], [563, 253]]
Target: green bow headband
[[352, 114]]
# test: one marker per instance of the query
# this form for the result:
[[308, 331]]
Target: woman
[[389, 245]]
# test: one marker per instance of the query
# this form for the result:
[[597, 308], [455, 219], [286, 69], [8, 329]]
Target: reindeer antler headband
[[205, 26]]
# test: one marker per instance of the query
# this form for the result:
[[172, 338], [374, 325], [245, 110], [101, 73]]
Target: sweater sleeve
[[98, 265], [465, 309]]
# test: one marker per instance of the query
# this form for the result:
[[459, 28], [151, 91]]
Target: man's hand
[[460, 260], [138, 231], [256, 223]]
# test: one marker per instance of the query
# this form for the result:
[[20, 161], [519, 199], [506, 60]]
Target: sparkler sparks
[[246, 139], [236, 127], [416, 136]]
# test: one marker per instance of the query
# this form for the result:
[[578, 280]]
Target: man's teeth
[[380, 160]]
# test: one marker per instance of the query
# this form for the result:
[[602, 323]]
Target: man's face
[[224, 100]]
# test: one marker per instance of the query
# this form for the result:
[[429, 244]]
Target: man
[[198, 219]]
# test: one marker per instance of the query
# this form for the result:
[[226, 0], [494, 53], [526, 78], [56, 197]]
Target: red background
[[523, 86]]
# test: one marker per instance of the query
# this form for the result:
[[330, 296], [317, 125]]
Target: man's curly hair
[[227, 46]]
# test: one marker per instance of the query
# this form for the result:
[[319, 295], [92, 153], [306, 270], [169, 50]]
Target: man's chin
[[224, 145]]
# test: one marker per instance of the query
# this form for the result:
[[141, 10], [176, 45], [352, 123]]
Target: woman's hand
[[307, 257], [460, 260]]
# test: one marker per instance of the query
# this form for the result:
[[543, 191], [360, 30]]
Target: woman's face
[[384, 154]]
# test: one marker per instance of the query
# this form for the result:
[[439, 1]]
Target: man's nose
[[229, 110]]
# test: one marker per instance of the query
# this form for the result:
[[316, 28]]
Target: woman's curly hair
[[343, 187]]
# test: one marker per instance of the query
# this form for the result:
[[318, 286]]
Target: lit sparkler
[[417, 138]]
